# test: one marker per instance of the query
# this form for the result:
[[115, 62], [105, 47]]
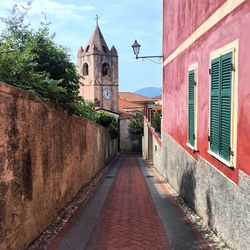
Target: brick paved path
[[123, 213], [129, 219]]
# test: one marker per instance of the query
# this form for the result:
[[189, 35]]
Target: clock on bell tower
[[98, 70]]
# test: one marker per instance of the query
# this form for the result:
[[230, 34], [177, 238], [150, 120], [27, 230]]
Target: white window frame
[[234, 48], [194, 67]]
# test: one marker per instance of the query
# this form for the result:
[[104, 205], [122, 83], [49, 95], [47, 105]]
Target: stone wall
[[129, 143], [151, 149], [223, 205], [46, 156], [145, 141], [157, 155]]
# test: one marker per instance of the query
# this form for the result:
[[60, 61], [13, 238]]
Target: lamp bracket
[[143, 57]]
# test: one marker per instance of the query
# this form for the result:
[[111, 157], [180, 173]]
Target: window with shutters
[[192, 107], [222, 107]]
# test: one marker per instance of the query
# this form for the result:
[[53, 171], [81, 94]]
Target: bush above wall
[[108, 121], [30, 59]]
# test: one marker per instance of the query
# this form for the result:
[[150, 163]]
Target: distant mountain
[[149, 91]]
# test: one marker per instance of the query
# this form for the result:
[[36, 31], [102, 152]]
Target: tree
[[136, 125], [156, 122], [31, 60]]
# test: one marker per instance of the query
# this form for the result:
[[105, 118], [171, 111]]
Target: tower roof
[[97, 42]]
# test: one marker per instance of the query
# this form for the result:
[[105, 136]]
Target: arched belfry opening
[[105, 69], [98, 67], [85, 69]]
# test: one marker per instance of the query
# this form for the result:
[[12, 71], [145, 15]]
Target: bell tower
[[98, 70]]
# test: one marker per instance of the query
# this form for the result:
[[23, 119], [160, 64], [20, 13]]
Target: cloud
[[56, 9]]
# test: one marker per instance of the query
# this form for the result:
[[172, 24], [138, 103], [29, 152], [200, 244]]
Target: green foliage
[[136, 125], [104, 119], [113, 129], [108, 121], [156, 122], [31, 60], [85, 109]]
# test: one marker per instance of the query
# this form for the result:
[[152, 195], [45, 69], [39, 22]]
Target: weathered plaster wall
[[157, 155], [183, 18], [175, 88], [222, 204], [129, 143], [46, 156], [218, 193]]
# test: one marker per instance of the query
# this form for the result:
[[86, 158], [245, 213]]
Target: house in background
[[131, 106], [116, 115], [151, 140], [131, 103], [158, 100], [206, 111]]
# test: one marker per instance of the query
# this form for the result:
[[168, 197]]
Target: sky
[[121, 22]]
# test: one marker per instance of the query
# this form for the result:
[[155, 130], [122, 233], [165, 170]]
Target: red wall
[[233, 26], [183, 17]]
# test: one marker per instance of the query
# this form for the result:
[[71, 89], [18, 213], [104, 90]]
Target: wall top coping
[[20, 93], [17, 92]]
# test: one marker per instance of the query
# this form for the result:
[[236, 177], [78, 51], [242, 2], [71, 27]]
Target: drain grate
[[149, 176], [109, 176]]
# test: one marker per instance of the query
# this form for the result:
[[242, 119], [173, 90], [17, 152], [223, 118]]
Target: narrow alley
[[124, 125], [130, 209]]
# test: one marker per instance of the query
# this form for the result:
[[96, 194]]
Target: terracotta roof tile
[[125, 106], [132, 97], [158, 97], [125, 115]]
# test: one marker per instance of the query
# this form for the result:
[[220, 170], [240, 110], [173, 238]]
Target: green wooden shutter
[[225, 103], [215, 106], [191, 111]]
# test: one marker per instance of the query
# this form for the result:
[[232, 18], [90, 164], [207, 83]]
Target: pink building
[[206, 111]]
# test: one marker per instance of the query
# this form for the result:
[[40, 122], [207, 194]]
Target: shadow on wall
[[209, 210], [187, 192], [188, 185]]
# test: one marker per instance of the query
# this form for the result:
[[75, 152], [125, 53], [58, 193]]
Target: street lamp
[[136, 48]]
